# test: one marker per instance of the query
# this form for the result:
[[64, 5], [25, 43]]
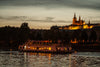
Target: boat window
[[49, 48], [33, 48], [65, 48], [39, 48]]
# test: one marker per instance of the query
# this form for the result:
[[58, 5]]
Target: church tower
[[89, 24], [80, 21], [79, 18], [74, 19]]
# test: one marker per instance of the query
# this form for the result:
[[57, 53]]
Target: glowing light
[[49, 48], [65, 28], [65, 48], [50, 41], [70, 48], [83, 41], [85, 27], [74, 28], [39, 48], [44, 47], [60, 28], [34, 48], [25, 47], [75, 41], [84, 23], [91, 26]]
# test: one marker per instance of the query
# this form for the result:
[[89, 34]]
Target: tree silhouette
[[24, 25], [84, 36], [38, 36], [93, 36], [75, 35]]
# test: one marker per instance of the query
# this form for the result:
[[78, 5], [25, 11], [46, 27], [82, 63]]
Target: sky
[[42, 14]]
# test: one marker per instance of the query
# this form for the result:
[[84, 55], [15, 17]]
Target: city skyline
[[46, 13]]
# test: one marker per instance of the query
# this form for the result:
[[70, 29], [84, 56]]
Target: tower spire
[[74, 15], [74, 19], [79, 18], [89, 22]]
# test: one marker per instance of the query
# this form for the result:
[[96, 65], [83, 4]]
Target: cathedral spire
[[89, 22], [74, 15], [79, 18], [74, 19]]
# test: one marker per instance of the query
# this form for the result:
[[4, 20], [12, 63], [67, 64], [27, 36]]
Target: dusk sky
[[42, 14]]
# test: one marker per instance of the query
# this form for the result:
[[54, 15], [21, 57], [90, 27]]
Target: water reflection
[[24, 59], [47, 59], [69, 60], [37, 59]]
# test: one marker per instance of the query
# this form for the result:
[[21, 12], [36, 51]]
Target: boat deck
[[45, 48]]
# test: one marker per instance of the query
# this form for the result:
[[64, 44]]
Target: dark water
[[22, 59]]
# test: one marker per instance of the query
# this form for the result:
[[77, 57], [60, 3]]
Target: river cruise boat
[[45, 47]]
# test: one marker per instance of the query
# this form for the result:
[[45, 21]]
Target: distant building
[[76, 24]]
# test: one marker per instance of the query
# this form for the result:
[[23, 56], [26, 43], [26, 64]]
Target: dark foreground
[[29, 59]]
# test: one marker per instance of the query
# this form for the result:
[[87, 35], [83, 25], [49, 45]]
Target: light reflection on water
[[23, 59]]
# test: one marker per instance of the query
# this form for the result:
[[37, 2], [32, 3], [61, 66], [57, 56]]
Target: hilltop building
[[80, 25], [76, 24]]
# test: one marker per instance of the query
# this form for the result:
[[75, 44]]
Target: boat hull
[[54, 52]]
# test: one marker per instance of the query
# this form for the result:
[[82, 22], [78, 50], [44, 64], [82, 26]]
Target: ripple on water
[[20, 59]]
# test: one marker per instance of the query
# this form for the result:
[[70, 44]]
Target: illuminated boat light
[[36, 47], [25, 47]]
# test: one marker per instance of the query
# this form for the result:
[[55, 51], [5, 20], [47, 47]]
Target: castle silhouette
[[77, 22]]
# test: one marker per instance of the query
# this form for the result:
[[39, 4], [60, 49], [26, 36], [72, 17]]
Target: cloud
[[31, 19], [11, 17], [90, 4]]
